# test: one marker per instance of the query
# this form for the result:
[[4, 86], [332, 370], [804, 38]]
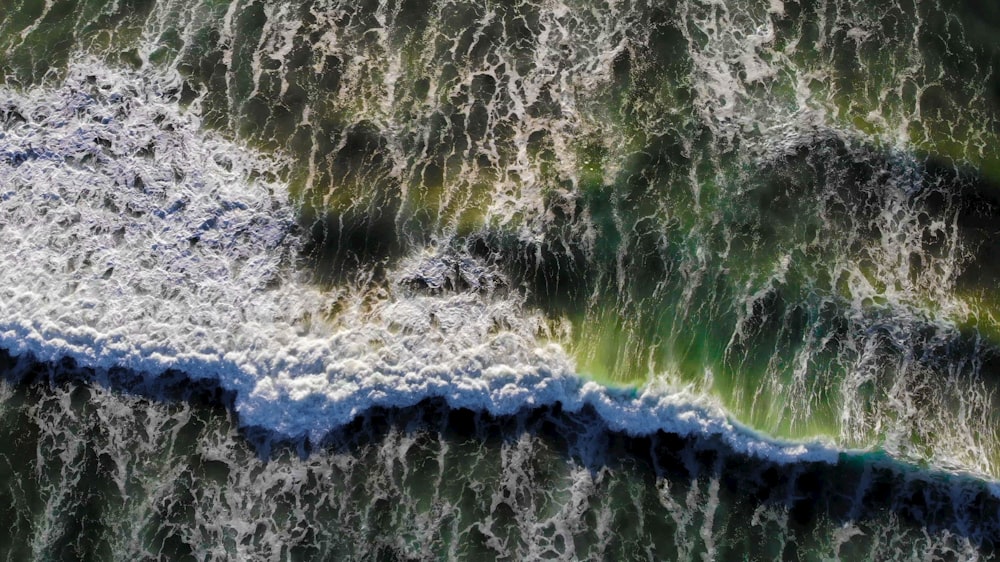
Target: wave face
[[767, 229]]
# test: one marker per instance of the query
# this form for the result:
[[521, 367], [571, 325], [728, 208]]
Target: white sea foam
[[134, 238]]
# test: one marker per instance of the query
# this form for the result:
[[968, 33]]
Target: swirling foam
[[134, 238]]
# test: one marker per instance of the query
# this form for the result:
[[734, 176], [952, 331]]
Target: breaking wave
[[142, 241]]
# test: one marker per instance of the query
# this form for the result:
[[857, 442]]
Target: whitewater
[[142, 241], [560, 279]]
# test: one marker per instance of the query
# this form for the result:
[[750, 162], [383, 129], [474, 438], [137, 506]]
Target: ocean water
[[435, 279]]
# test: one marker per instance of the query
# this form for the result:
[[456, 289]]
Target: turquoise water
[[533, 242]]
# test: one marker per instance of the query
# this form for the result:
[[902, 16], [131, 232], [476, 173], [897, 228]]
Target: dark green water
[[778, 214]]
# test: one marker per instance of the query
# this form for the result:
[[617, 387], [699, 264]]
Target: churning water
[[429, 279]]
